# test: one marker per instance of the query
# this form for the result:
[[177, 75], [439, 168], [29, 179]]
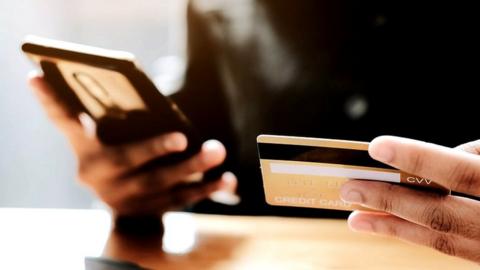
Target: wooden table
[[60, 239]]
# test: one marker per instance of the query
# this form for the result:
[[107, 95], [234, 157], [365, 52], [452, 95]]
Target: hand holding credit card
[[309, 172]]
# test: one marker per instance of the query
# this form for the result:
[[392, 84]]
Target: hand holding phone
[[146, 158], [111, 88]]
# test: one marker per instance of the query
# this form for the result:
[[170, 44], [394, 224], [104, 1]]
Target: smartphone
[[112, 89]]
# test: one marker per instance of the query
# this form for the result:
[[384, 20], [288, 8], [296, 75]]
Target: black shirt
[[332, 69]]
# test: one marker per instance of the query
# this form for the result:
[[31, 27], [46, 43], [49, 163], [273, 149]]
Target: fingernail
[[175, 142], [351, 195], [228, 182], [211, 145], [229, 177], [33, 74], [213, 152], [362, 226], [380, 150], [88, 124], [224, 197]]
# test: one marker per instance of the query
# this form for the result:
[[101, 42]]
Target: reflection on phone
[[98, 93], [103, 92]]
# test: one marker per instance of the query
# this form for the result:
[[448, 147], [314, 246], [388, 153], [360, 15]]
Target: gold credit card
[[308, 172]]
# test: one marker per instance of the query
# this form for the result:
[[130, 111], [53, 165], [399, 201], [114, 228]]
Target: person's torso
[[344, 69]]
